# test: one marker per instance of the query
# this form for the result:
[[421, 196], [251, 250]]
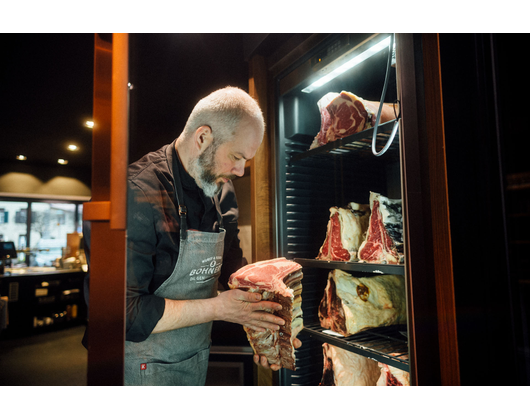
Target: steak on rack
[[277, 280], [352, 304], [345, 232], [343, 114], [384, 238]]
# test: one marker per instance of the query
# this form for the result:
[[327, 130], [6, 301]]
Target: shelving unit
[[308, 182], [386, 344]]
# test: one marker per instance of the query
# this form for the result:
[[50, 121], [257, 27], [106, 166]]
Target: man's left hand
[[262, 360]]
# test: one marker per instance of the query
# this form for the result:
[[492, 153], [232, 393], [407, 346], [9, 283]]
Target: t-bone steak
[[352, 304], [343, 114], [384, 238], [345, 232], [278, 280]]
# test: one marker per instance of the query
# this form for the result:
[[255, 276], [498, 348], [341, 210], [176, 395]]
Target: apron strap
[[219, 214], [182, 209]]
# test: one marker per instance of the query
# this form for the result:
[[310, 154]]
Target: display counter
[[42, 298]]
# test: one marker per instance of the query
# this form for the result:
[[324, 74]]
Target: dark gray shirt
[[153, 235]]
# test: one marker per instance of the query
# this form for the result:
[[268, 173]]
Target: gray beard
[[202, 170]]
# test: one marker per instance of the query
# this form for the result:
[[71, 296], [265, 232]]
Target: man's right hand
[[247, 309]]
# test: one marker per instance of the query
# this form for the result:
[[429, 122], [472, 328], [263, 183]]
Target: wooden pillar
[[445, 293], [107, 212], [261, 189]]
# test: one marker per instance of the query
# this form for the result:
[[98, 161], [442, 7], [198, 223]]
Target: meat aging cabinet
[[308, 182]]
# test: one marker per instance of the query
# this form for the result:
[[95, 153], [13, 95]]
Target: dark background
[[46, 90]]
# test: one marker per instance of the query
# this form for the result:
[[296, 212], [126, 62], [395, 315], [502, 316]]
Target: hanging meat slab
[[278, 280], [352, 304], [343, 114], [344, 368], [384, 238], [345, 232]]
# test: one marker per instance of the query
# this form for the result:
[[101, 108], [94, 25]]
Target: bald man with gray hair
[[183, 242]]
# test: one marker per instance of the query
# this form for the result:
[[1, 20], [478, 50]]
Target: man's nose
[[239, 168]]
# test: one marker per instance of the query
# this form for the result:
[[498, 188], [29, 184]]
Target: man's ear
[[203, 138]]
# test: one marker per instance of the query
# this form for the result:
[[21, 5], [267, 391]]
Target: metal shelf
[[353, 266], [359, 143], [377, 344]]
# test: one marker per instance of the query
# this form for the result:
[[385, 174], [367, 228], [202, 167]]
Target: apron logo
[[209, 268], [143, 366]]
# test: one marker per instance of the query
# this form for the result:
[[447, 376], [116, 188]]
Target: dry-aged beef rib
[[344, 368], [345, 232], [345, 114], [352, 304], [384, 238], [392, 376], [278, 280]]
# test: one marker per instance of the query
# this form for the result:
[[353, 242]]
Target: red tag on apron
[[143, 366]]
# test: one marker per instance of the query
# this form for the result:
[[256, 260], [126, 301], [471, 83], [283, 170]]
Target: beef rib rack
[[345, 232], [277, 280], [384, 238]]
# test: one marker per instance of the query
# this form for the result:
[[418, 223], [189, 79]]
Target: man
[[182, 237]]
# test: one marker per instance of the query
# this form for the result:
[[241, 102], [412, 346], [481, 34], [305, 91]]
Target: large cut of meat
[[345, 232], [278, 280], [392, 376], [384, 238], [343, 114], [344, 368], [352, 304]]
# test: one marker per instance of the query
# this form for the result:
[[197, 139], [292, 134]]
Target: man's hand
[[262, 360], [247, 309]]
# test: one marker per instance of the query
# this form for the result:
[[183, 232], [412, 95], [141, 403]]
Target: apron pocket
[[189, 372]]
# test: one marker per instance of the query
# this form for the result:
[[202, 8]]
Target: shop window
[[42, 237]]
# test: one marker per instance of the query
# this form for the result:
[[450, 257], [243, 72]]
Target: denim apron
[[180, 357]]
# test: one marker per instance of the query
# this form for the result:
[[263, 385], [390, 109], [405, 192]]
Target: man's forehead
[[246, 142]]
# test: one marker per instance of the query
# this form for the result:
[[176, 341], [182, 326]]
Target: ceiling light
[[72, 147], [348, 65], [89, 124], [62, 161], [21, 157]]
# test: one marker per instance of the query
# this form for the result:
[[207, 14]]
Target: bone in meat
[[345, 368], [278, 280], [345, 232], [384, 238]]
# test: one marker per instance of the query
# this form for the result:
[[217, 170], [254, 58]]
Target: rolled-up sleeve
[[143, 308]]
